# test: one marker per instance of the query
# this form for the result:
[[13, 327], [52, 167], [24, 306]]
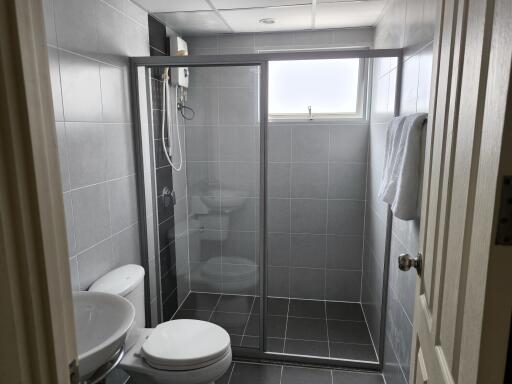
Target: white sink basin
[[227, 200], [102, 321]]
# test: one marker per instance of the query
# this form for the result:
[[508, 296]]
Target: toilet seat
[[180, 345]]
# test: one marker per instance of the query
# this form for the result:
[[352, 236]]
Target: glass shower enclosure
[[247, 222]]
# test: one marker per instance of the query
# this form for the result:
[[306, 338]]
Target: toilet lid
[[185, 345]]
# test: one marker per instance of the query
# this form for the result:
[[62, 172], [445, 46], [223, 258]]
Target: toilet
[[174, 352]]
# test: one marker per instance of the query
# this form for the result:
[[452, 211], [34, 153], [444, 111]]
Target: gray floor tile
[[235, 303], [233, 323], [307, 308], [297, 375], [202, 301], [302, 328], [363, 352], [245, 373], [192, 314], [307, 348], [344, 311], [346, 377], [348, 332]]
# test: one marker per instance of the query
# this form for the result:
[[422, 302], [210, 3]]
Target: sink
[[227, 200], [102, 321]]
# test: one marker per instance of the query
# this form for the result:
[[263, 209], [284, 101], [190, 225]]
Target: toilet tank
[[126, 281]]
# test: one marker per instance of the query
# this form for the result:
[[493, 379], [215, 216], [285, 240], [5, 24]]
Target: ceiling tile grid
[[204, 17]]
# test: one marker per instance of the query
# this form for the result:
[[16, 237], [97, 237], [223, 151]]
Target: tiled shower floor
[[299, 327], [247, 373]]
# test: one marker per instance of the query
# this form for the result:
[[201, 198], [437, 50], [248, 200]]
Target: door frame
[[261, 60], [36, 325]]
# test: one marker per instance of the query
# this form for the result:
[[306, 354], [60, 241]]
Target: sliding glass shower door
[[203, 194]]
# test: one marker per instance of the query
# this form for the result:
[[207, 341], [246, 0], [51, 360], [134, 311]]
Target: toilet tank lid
[[120, 281]]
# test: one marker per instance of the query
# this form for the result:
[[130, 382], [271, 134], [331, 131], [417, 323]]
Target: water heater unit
[[179, 76]]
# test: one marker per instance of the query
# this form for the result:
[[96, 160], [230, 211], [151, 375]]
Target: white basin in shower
[[226, 200]]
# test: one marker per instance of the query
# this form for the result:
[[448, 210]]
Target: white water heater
[[179, 76]]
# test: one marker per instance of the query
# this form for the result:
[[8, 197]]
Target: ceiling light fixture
[[268, 20]]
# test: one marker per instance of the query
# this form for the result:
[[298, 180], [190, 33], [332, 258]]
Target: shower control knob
[[405, 262]]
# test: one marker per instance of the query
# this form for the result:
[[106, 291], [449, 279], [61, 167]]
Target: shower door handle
[[405, 262]]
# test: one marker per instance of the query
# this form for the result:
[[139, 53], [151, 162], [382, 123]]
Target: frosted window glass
[[328, 86]]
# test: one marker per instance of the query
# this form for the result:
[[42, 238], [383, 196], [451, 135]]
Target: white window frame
[[361, 108]]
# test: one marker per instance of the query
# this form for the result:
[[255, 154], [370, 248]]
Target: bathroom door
[[462, 312]]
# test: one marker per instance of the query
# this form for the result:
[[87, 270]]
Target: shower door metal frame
[[261, 60]]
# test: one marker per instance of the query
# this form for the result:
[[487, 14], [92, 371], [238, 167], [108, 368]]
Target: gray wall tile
[[49, 18], [279, 143], [239, 279], [347, 181], [202, 143], [349, 36], [245, 218], [279, 180], [87, 153], [126, 246], [279, 215], [53, 61], [346, 217], [343, 285], [348, 143], [240, 247], [307, 251], [309, 180], [73, 269], [313, 37], [204, 77], [70, 223], [308, 216], [205, 102], [114, 94], [84, 36], [91, 214], [344, 252], [238, 143], [81, 90], [120, 150], [278, 280], [238, 106], [76, 23], [307, 283], [123, 203], [240, 177], [210, 281], [112, 26], [309, 143], [279, 249], [94, 262], [63, 156]]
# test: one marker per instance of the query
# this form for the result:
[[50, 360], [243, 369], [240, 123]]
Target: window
[[332, 88]]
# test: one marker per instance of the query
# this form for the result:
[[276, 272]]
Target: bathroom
[[231, 173]]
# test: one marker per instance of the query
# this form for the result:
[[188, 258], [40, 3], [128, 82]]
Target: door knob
[[405, 262]]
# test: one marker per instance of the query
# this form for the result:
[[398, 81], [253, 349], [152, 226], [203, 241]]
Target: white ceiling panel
[[241, 4], [194, 23], [348, 14], [286, 19], [154, 6]]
